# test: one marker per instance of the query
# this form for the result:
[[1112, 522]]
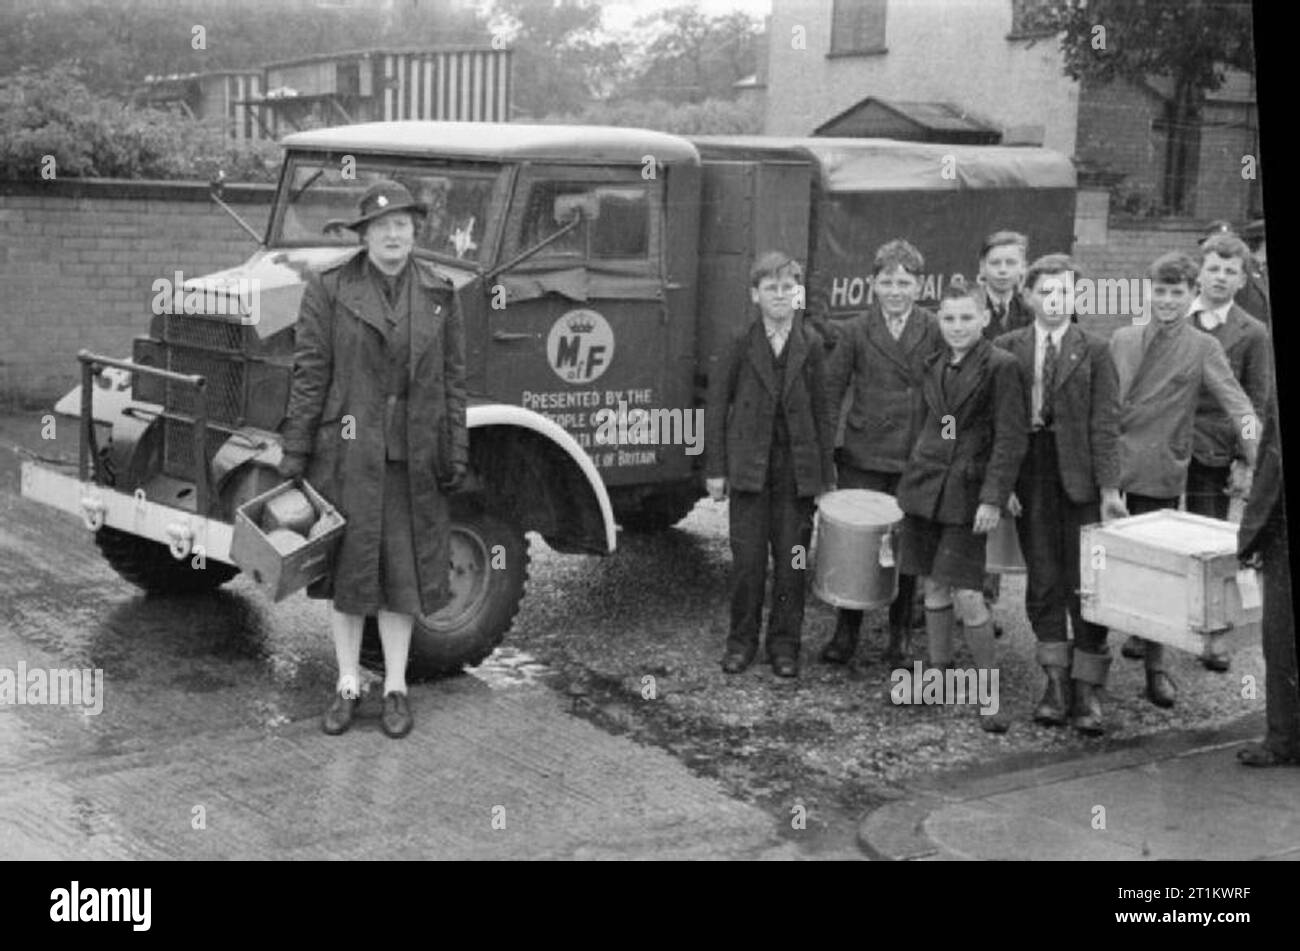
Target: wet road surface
[[208, 744]]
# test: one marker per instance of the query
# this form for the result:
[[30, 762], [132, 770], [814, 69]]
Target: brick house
[[988, 60]]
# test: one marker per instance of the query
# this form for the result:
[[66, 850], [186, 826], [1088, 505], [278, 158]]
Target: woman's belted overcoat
[[336, 417]]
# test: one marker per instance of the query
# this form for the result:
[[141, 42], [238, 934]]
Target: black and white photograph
[[674, 430]]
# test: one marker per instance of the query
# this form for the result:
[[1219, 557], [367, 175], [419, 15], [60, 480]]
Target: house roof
[[925, 116], [586, 144]]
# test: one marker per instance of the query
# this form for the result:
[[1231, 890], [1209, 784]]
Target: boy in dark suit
[[769, 436], [1224, 260], [1252, 295], [1003, 258], [1072, 465], [1164, 363], [1004, 255], [972, 438], [881, 355]]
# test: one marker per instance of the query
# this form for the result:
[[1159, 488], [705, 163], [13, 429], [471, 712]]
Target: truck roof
[[866, 165], [504, 141]]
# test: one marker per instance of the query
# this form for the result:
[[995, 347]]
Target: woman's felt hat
[[382, 198]]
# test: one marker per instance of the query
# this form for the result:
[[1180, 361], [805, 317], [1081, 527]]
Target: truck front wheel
[[489, 568]]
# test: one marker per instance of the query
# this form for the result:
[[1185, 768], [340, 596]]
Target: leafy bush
[[55, 114]]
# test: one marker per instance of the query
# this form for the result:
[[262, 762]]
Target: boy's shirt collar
[[901, 320], [997, 300], [1209, 317], [1041, 334], [777, 333]]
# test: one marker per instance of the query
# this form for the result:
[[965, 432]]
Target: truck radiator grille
[[207, 333], [225, 378]]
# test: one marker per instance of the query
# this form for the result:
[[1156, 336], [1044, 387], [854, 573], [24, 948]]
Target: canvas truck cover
[[944, 199]]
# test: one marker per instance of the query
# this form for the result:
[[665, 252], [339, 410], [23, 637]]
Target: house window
[[857, 27], [1031, 18]]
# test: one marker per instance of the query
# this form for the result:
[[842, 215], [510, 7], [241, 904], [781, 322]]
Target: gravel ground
[[658, 609]]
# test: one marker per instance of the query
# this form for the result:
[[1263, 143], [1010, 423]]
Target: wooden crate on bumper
[[1167, 576], [282, 573]]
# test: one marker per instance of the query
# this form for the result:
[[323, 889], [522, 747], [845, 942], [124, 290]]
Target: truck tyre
[[149, 565], [489, 568], [659, 512]]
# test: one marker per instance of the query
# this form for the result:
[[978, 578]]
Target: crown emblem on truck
[[581, 325]]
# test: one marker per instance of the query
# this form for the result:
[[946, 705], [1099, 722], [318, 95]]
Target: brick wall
[[1129, 248], [78, 260]]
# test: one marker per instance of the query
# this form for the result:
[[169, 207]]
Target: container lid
[[1180, 532], [861, 507]]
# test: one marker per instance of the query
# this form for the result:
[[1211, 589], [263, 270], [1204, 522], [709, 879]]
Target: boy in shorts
[[972, 439]]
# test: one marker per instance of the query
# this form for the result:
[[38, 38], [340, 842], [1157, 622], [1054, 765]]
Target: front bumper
[[98, 506]]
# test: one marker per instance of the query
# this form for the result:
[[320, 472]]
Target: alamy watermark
[[215, 295], [934, 686], [650, 427], [1099, 297], [56, 686]]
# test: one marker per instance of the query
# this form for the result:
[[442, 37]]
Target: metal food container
[[857, 543], [279, 573]]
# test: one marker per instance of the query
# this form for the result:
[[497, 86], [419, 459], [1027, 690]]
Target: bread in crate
[[272, 552], [1167, 576]]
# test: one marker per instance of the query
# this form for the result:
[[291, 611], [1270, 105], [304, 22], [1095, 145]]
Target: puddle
[[509, 667]]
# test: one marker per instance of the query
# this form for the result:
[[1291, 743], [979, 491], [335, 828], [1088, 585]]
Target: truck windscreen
[[316, 192]]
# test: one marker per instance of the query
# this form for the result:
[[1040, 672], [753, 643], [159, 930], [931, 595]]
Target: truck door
[[580, 326]]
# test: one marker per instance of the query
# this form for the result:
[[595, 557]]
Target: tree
[[560, 62], [116, 45], [1192, 43], [693, 57]]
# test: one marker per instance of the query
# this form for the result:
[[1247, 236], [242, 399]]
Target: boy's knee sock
[[938, 634], [979, 637]]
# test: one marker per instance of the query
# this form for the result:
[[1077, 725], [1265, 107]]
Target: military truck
[[597, 269]]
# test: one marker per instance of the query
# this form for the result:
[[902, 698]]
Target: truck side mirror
[[585, 206], [217, 187]]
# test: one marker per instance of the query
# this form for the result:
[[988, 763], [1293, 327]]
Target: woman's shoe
[[339, 716], [397, 720]]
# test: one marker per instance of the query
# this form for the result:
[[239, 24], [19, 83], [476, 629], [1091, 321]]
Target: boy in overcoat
[[972, 439], [1163, 364], [769, 435], [881, 357], [1069, 478]]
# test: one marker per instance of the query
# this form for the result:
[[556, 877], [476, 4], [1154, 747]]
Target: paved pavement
[[487, 773], [1178, 796]]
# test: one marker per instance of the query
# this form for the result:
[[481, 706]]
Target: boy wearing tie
[[1070, 478]]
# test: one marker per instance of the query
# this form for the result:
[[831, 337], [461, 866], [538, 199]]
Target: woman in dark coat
[[376, 422]]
